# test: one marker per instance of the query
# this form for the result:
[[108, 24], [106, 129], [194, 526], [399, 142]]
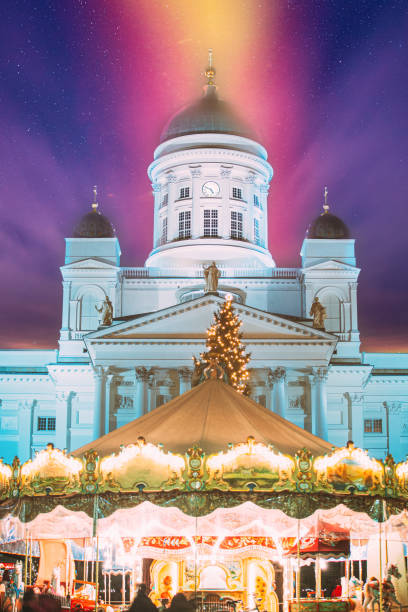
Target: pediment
[[89, 263], [332, 264], [191, 320]]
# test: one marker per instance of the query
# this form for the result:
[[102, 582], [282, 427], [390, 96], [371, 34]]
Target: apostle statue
[[211, 275], [106, 310], [319, 314]]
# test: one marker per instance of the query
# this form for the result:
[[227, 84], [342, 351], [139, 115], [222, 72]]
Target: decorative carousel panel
[[142, 466], [349, 470], [5, 479], [401, 472], [51, 472], [250, 465]]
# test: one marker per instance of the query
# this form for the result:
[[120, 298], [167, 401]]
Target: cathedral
[[128, 334]]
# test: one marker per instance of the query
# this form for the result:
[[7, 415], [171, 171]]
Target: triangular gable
[[90, 264], [192, 319], [332, 264]]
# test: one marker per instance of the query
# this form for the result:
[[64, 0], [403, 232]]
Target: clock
[[210, 189]]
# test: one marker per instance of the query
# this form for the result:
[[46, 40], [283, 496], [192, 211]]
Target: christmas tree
[[224, 347]]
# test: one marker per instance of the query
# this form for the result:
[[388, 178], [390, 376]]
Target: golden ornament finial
[[326, 205], [210, 70], [95, 197]]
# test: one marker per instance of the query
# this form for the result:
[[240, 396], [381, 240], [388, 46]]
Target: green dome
[[209, 115]]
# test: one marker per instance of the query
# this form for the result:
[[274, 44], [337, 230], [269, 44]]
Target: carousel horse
[[372, 591]]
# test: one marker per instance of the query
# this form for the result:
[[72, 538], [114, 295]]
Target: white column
[[279, 391], [25, 431], [66, 296], [249, 208], [264, 203], [353, 300], [356, 418], [269, 391], [195, 201], [171, 222], [61, 419], [185, 380], [151, 394], [224, 221], [140, 404], [108, 401], [99, 405], [319, 402], [156, 187]]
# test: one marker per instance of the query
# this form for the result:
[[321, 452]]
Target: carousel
[[213, 495]]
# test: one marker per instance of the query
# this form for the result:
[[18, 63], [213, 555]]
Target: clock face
[[211, 189]]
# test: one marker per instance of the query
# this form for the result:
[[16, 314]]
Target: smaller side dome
[[93, 224], [328, 226]]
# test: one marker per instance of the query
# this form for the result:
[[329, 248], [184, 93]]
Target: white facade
[[210, 204]]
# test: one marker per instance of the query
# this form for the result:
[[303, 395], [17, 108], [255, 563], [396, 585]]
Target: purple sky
[[86, 87]]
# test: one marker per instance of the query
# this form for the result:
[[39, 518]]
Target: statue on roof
[[106, 310], [319, 314], [211, 275]]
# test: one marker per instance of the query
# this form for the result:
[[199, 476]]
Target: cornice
[[240, 163]]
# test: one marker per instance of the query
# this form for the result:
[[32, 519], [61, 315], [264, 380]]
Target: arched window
[[333, 309]]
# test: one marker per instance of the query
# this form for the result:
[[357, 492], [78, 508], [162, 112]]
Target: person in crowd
[[2, 592], [12, 594], [180, 603], [142, 602]]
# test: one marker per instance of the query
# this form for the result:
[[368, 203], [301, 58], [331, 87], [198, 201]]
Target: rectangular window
[[46, 424], [372, 425], [237, 193], [257, 235], [257, 202], [165, 200], [236, 224], [163, 235], [184, 193], [211, 222], [185, 224]]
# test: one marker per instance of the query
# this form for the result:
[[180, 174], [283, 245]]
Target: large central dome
[[209, 115]]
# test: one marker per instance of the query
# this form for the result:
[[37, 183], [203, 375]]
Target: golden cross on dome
[[95, 196], [210, 71], [325, 205]]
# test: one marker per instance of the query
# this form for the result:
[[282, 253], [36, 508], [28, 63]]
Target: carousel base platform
[[319, 605]]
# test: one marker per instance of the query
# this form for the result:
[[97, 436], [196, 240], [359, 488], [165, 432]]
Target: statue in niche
[[106, 310], [319, 314], [211, 275]]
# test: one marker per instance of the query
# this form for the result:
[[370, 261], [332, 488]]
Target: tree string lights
[[224, 346]]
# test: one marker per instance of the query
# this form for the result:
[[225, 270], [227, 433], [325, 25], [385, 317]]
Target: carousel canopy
[[211, 416]]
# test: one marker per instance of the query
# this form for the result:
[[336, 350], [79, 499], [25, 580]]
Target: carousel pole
[[94, 535], [298, 568], [348, 578], [123, 587], [97, 573], [31, 560], [381, 569], [360, 566], [26, 561], [318, 578]]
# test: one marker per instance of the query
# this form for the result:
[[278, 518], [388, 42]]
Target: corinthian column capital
[[319, 375]]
